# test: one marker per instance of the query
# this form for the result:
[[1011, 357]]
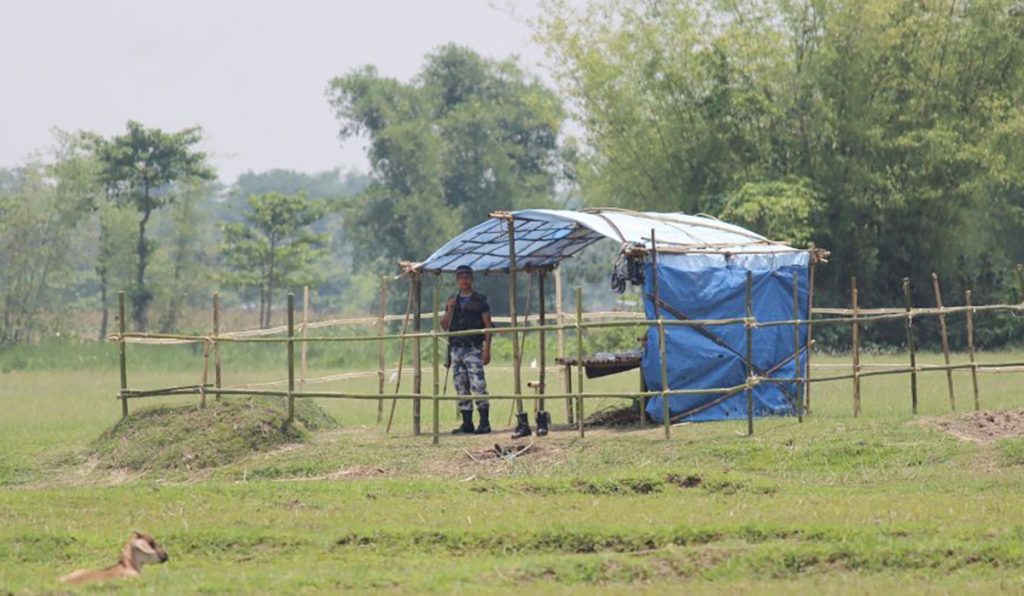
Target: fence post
[[749, 325], [810, 326], [565, 372], [542, 338], [970, 349], [417, 326], [796, 345], [380, 347], [517, 357], [205, 375], [945, 340], [910, 345], [123, 354], [435, 320], [856, 348], [666, 412], [302, 348], [216, 345], [291, 358], [579, 359], [401, 353]]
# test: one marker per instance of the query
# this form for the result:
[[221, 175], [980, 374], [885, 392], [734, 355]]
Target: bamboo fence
[[293, 333]]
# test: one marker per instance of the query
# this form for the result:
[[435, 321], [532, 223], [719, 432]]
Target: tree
[[906, 117], [187, 270], [115, 243], [785, 210], [466, 137], [41, 205], [139, 168], [274, 246]]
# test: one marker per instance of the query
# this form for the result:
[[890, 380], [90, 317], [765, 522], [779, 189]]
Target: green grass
[[882, 503], [191, 437]]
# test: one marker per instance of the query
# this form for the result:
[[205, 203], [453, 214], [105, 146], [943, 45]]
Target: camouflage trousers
[[468, 375]]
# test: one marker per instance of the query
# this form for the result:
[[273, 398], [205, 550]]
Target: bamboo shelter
[[738, 305], [694, 267]]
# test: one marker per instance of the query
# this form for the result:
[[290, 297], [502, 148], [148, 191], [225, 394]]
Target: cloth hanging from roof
[[628, 266]]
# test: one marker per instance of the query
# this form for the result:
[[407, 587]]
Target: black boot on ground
[[543, 419], [467, 424], [522, 426], [484, 428]]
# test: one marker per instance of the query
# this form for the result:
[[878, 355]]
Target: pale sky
[[252, 73]]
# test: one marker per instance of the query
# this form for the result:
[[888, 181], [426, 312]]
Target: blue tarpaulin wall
[[714, 287]]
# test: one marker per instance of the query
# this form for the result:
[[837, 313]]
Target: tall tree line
[[888, 131], [139, 212], [892, 131]]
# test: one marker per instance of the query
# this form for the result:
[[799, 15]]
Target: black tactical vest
[[468, 316]]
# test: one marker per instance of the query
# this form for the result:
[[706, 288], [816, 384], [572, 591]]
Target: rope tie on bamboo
[[750, 323]]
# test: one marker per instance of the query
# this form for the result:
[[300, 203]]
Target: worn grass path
[[879, 504]]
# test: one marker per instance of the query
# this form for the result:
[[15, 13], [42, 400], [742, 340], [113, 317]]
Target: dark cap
[[463, 270]]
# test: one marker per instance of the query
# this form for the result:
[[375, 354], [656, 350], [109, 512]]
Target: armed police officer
[[466, 310]]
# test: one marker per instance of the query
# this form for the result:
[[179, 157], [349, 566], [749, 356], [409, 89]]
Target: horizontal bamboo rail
[[137, 337], [342, 322], [194, 390], [296, 334]]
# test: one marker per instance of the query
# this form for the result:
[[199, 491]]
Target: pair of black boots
[[467, 423], [523, 425]]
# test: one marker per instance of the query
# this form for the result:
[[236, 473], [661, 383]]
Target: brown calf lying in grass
[[140, 550]]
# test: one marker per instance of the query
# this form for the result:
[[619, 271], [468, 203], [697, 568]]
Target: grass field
[[882, 503]]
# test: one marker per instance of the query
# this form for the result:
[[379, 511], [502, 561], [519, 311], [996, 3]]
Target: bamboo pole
[[891, 315], [662, 352], [302, 348], [642, 420], [417, 375], [123, 354], [856, 349], [945, 339], [749, 327], [727, 391], [517, 373], [579, 360], [401, 357], [381, 346], [291, 358], [796, 345], [542, 337], [935, 368], [970, 350], [522, 338], [910, 345], [810, 326], [217, 381], [436, 361], [565, 371], [205, 376], [194, 389]]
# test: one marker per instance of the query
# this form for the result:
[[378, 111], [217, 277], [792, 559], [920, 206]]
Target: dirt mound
[[628, 415], [191, 438], [986, 426]]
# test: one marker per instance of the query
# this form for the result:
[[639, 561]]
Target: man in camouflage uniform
[[467, 310]]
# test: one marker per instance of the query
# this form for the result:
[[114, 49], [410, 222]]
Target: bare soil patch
[[985, 426]]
